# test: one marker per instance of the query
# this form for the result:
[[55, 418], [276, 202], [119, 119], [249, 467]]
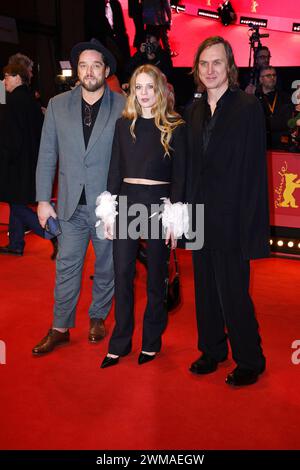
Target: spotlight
[[65, 81], [226, 12], [66, 68], [296, 28]]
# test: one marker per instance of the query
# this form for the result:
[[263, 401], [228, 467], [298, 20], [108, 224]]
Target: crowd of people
[[114, 152]]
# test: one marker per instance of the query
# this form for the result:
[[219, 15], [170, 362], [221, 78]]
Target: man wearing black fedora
[[77, 135]]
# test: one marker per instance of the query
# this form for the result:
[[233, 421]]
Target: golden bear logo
[[290, 186], [254, 6], [2, 352]]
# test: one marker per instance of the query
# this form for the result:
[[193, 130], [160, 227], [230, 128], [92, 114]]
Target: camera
[[149, 47], [256, 36]]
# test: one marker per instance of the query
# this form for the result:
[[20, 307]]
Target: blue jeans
[[20, 217]]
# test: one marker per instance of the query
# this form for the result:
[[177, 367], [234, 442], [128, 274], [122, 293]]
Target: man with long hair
[[227, 174]]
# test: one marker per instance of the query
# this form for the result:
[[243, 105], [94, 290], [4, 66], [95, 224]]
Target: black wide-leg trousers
[[124, 255], [223, 303]]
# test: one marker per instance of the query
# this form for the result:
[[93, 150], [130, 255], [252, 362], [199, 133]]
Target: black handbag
[[172, 282], [173, 297]]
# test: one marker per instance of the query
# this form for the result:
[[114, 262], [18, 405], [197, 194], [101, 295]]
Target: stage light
[[285, 246], [208, 14], [227, 13], [261, 22], [66, 69], [296, 28], [67, 73]]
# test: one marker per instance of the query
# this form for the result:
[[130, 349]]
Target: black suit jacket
[[230, 178], [20, 135]]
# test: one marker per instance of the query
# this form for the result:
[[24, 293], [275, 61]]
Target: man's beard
[[92, 86]]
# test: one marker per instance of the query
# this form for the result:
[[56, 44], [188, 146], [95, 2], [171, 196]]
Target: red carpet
[[188, 31], [65, 401]]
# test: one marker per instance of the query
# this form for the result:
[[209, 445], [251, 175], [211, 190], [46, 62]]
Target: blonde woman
[[147, 165]]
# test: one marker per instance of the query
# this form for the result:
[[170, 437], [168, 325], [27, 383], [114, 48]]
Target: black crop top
[[144, 157]]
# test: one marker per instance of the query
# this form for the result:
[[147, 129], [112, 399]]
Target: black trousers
[[223, 303], [124, 255]]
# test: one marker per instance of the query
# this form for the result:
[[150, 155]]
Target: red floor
[[188, 31], [65, 401]]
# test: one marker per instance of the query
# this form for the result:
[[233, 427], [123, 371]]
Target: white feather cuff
[[175, 217], [106, 208]]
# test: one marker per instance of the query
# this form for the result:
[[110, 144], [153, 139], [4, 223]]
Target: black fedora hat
[[95, 45]]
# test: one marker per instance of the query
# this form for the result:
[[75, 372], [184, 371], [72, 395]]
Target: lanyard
[[272, 106]]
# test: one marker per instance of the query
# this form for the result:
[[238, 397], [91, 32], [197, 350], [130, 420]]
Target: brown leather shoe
[[53, 339], [97, 330]]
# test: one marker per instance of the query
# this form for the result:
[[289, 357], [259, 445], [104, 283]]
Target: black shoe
[[7, 250], [109, 361], [143, 358], [205, 365], [55, 247], [240, 376]]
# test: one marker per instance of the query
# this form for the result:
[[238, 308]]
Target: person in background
[[20, 139], [135, 11], [157, 14], [277, 106], [25, 61], [151, 53], [261, 59], [104, 21]]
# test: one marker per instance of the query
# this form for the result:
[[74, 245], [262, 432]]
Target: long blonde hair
[[166, 119]]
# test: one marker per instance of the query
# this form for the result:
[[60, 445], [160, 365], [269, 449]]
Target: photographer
[[262, 58], [157, 15], [151, 52]]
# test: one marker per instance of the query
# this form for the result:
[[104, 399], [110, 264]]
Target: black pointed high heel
[[109, 361], [143, 358]]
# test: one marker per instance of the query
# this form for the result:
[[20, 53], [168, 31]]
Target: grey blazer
[[62, 139]]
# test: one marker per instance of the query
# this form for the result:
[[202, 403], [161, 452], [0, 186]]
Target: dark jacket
[[134, 8], [20, 139], [276, 121], [157, 12], [230, 178], [162, 60]]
